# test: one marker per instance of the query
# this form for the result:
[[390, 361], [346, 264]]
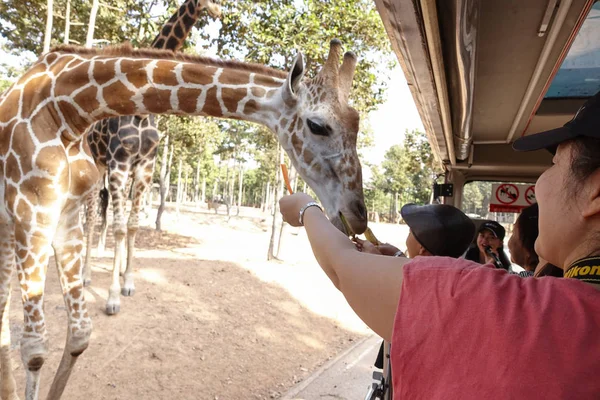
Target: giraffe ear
[[293, 80]]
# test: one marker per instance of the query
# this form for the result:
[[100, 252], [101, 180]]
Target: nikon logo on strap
[[587, 269]]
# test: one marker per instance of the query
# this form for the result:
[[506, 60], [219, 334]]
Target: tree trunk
[[48, 33], [89, 41], [67, 21], [203, 189], [179, 186], [214, 191], [277, 194], [186, 186], [164, 184], [232, 186], [266, 197], [304, 190], [197, 184], [396, 213], [240, 188]]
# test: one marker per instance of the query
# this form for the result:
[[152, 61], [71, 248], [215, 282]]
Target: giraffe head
[[319, 131], [212, 6]]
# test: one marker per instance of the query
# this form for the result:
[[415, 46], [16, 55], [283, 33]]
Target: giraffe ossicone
[[45, 172]]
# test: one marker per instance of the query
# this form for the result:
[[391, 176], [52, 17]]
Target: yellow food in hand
[[371, 237]]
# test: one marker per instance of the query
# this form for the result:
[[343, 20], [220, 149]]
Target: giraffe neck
[[174, 32], [88, 88]]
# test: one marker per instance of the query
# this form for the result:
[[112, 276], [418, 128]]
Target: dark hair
[[527, 225], [585, 158]]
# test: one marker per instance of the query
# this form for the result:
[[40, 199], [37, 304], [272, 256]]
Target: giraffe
[[46, 170], [126, 146]]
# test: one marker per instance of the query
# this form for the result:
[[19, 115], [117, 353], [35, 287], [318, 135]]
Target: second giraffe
[[125, 149]]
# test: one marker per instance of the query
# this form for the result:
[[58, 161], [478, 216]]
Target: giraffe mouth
[[214, 10], [347, 228]]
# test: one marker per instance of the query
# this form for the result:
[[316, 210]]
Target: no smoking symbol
[[530, 195], [507, 193]]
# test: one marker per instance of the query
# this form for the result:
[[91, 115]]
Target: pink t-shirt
[[466, 332]]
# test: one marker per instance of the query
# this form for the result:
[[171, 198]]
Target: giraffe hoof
[[113, 309], [87, 282], [128, 292]]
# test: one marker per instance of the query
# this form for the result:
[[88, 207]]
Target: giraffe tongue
[[369, 235], [347, 228]]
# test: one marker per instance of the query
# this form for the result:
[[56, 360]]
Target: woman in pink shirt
[[460, 331]]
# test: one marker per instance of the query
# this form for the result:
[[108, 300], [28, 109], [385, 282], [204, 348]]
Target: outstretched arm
[[370, 283]]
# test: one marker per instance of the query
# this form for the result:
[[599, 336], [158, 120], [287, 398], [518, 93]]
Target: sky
[[389, 121]]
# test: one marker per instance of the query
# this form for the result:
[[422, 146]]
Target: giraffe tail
[[103, 204]]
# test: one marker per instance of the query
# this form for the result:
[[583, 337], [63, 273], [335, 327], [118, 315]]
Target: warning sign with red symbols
[[510, 197]]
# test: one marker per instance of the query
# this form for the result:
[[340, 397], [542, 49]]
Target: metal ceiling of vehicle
[[478, 72]]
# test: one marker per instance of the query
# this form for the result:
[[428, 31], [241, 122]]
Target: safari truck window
[[579, 73], [499, 201]]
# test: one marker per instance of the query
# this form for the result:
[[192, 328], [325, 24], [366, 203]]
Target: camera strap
[[586, 269]]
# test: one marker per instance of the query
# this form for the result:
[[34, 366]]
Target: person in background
[[522, 245], [435, 230], [489, 236]]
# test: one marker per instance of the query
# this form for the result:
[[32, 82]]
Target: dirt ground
[[210, 319]]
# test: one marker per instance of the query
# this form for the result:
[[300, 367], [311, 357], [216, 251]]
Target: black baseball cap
[[494, 227], [586, 122], [443, 230]]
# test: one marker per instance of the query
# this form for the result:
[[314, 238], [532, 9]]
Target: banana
[[370, 236]]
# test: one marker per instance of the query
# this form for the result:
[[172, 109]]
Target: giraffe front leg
[[141, 183], [32, 254], [117, 182], [68, 248], [8, 387]]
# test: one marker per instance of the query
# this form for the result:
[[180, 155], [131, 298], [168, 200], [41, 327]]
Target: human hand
[[290, 206], [366, 247], [387, 249], [489, 255]]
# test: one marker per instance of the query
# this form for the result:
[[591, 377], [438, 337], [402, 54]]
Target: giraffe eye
[[318, 129]]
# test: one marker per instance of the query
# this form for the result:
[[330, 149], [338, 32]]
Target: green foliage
[[23, 22], [194, 140], [376, 197], [269, 32], [476, 198], [408, 171]]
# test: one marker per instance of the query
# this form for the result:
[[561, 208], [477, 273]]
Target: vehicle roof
[[478, 72]]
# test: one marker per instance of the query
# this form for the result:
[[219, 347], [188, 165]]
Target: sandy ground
[[211, 318]]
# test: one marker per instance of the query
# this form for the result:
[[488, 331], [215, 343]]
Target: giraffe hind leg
[[68, 246], [8, 387], [33, 253], [91, 219], [117, 180]]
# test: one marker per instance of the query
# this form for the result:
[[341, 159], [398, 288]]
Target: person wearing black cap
[[448, 319], [435, 230], [489, 247]]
